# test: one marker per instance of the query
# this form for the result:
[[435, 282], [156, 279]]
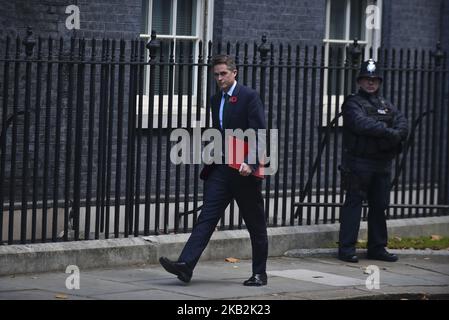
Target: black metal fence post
[[46, 171], [37, 116], [68, 142], [279, 110], [264, 51], [3, 133], [120, 111], [29, 43], [171, 76], [90, 139], [295, 135], [153, 46], [130, 144], [57, 147], [12, 180], [108, 135], [78, 138], [141, 88], [287, 142], [355, 52], [441, 105]]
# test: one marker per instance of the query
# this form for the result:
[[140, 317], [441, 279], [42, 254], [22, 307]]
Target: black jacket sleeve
[[256, 121], [400, 123], [356, 120]]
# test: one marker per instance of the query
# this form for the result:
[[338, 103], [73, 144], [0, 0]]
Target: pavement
[[297, 275]]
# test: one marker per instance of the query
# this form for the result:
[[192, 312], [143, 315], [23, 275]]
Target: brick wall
[[445, 26], [413, 23], [98, 18], [282, 21]]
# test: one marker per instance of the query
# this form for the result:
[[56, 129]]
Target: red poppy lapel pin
[[233, 99]]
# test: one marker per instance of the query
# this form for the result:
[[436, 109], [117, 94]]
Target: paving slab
[[346, 293], [145, 295], [37, 294], [317, 277]]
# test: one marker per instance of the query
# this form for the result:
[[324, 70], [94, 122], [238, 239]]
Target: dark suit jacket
[[245, 111]]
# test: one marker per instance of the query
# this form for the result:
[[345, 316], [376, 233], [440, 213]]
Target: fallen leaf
[[232, 260], [435, 237], [61, 296]]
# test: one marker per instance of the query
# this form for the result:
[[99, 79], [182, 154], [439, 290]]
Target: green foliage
[[433, 242], [429, 242]]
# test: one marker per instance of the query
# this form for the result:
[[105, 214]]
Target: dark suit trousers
[[223, 185]]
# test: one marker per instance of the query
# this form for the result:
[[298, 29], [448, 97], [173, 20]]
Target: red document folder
[[237, 152]]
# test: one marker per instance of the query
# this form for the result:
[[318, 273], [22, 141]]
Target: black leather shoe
[[256, 280], [383, 256], [348, 258], [179, 269]]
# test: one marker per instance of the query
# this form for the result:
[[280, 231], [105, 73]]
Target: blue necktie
[[225, 107]]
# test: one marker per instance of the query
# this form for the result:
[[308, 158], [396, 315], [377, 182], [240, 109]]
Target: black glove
[[394, 136], [403, 134]]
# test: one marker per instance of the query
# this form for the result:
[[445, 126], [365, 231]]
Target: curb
[[435, 255], [110, 253]]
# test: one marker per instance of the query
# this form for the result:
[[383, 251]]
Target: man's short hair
[[224, 59]]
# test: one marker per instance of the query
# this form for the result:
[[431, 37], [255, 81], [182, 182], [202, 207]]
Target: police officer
[[373, 133]]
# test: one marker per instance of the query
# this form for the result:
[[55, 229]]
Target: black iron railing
[[85, 133]]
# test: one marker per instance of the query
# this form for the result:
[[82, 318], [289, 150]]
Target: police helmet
[[369, 69]]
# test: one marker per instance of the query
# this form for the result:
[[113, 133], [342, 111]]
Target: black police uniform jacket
[[368, 121]]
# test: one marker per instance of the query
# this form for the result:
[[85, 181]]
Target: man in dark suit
[[233, 107]]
